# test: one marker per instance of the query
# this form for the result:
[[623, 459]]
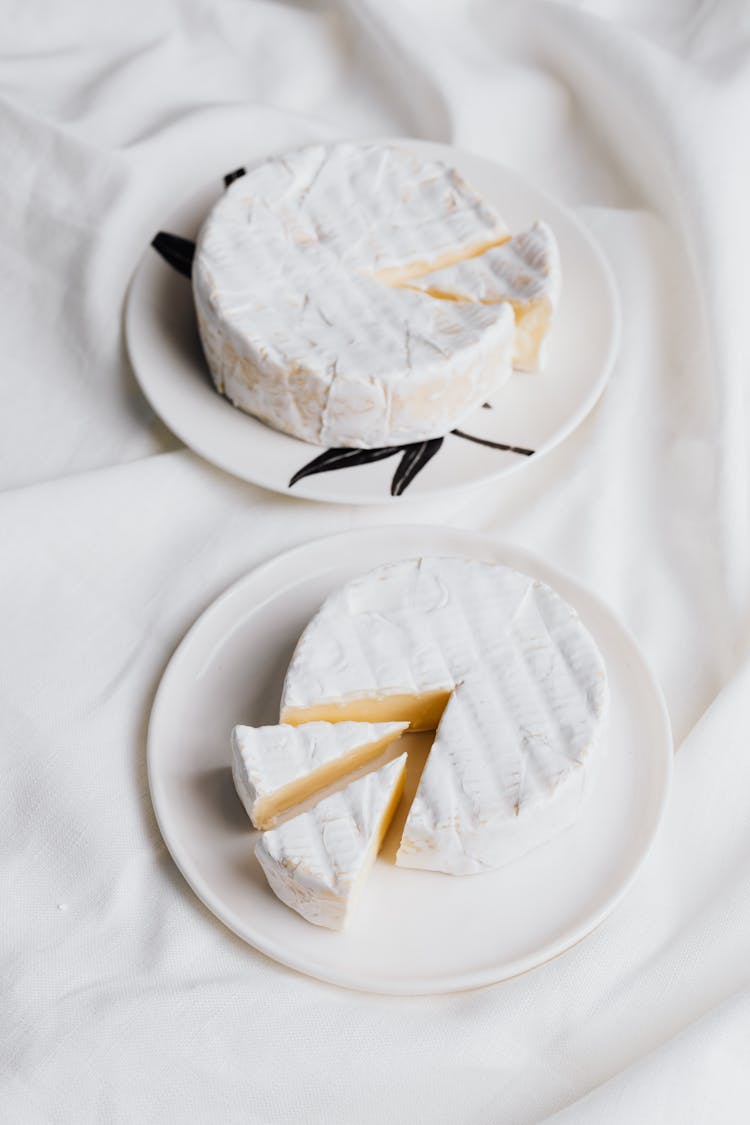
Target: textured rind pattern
[[515, 744], [265, 759], [298, 329], [523, 268], [524, 271], [313, 863]]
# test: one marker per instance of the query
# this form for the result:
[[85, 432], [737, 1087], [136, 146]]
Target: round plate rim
[[306, 489], [441, 984]]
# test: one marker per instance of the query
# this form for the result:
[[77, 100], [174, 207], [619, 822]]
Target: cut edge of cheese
[[488, 278], [269, 810], [398, 277], [421, 711], [533, 322], [331, 899], [379, 834]]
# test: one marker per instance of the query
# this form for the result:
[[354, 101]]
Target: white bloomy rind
[[528, 699], [298, 280], [318, 863], [266, 761]]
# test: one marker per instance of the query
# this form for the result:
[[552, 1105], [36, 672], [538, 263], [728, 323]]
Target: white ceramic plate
[[532, 412], [416, 932]]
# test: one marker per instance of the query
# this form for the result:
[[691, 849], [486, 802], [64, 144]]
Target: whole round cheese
[[301, 280], [494, 660]]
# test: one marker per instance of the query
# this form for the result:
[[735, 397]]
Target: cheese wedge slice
[[499, 663], [276, 769], [524, 271], [318, 862]]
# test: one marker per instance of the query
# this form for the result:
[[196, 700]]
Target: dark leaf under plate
[[343, 459], [235, 175], [494, 444], [178, 252], [413, 461], [415, 456]]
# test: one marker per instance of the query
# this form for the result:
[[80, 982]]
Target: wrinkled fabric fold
[[123, 999]]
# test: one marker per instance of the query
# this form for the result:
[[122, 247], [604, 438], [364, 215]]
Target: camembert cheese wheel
[[494, 660], [278, 768], [301, 280]]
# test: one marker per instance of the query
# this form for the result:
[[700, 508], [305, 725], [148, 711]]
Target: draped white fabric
[[123, 1000]]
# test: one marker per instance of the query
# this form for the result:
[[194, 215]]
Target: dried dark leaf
[[178, 252], [235, 175], [333, 459], [413, 461], [486, 406], [494, 444]]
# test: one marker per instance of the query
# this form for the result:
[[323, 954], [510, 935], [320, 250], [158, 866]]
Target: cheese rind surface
[[526, 695], [318, 863], [276, 768], [298, 280], [524, 271]]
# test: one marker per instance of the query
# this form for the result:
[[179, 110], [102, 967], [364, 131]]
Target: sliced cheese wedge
[[278, 768], [524, 271], [318, 862], [499, 663]]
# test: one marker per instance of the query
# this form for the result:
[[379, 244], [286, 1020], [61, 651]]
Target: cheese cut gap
[[376, 844], [421, 711], [417, 752], [299, 795], [398, 276]]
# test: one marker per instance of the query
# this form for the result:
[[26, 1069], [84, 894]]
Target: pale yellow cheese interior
[[375, 845], [533, 321], [400, 275], [422, 711], [269, 811]]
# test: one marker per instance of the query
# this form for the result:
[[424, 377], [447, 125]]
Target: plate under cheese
[[278, 768], [318, 862], [493, 659], [304, 285]]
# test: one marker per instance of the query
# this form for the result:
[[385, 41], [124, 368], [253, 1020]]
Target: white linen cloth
[[123, 1000]]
